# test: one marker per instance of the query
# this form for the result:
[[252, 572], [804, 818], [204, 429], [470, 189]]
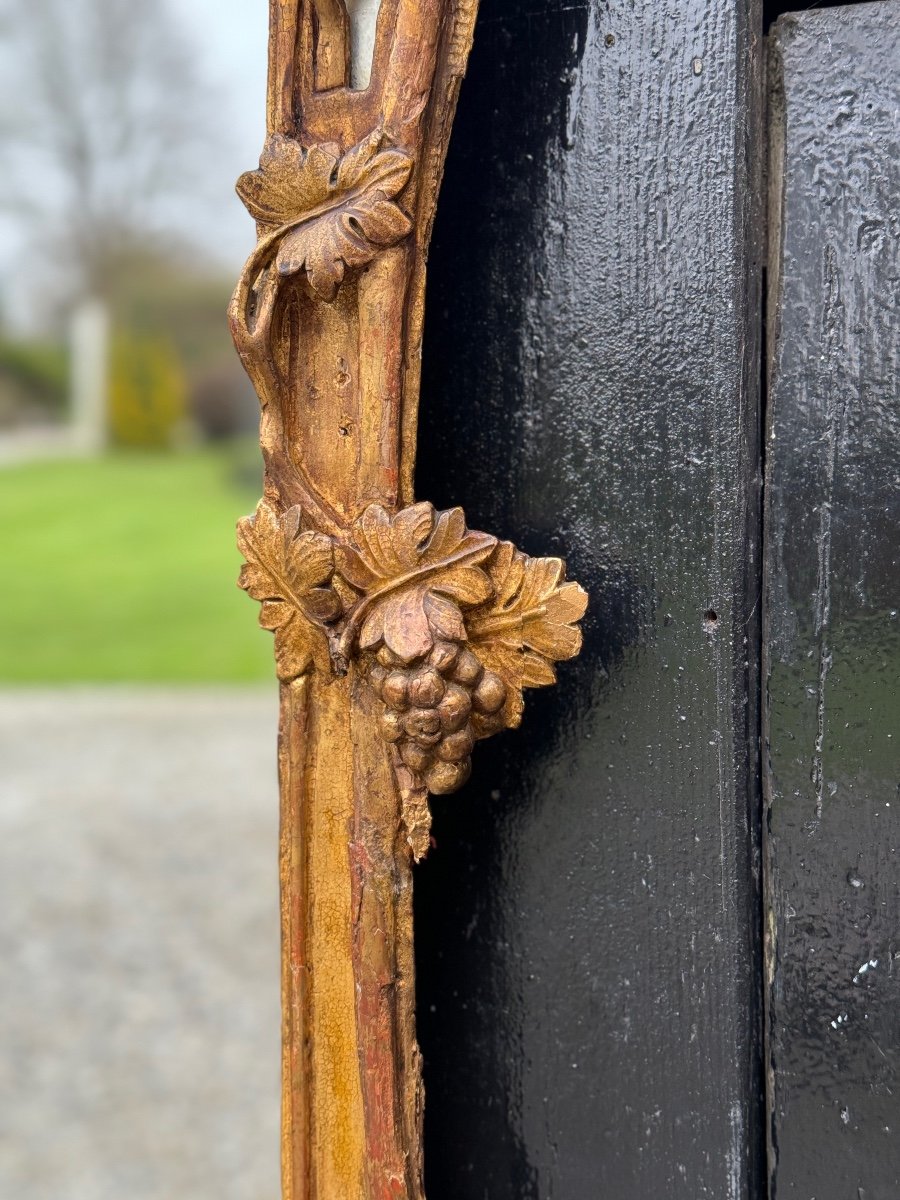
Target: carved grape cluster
[[448, 625], [435, 709]]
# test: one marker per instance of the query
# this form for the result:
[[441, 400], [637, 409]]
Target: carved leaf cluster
[[417, 570], [290, 573], [528, 624], [405, 585], [336, 211]]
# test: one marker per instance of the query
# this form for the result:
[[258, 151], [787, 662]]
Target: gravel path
[[139, 1034]]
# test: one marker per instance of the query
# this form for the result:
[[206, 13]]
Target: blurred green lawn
[[123, 569]]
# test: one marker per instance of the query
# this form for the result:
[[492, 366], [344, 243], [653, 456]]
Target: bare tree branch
[[105, 128]]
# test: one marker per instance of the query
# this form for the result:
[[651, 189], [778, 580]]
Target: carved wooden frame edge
[[401, 636]]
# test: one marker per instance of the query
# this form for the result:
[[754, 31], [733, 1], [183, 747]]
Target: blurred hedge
[[33, 375]]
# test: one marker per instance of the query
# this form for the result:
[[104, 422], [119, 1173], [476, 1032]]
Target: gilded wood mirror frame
[[401, 636]]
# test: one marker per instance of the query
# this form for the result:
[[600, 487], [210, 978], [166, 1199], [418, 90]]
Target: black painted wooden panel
[[832, 635], [588, 924]]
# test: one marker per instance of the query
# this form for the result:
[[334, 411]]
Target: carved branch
[[401, 636]]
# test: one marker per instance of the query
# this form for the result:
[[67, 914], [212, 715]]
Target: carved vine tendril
[[318, 213]]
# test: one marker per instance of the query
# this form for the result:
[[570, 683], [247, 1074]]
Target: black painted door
[[592, 986], [832, 603]]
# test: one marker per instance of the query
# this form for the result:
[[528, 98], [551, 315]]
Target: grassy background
[[123, 569]]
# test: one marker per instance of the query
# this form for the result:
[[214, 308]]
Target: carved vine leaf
[[529, 623], [416, 571], [339, 210], [290, 573]]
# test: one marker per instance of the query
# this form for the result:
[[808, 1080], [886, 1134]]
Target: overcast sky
[[231, 39]]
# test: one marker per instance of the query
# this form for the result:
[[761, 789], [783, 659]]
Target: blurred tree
[[107, 135], [106, 128]]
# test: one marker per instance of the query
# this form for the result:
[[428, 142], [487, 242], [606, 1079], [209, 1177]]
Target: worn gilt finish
[[401, 636]]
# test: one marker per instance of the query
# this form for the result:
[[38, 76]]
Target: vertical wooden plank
[[832, 634], [588, 924]]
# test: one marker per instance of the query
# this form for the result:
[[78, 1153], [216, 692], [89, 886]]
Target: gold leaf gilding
[[289, 572], [529, 623], [410, 566], [331, 212], [426, 594]]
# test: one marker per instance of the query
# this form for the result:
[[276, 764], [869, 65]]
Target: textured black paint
[[773, 9], [833, 594], [587, 927]]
